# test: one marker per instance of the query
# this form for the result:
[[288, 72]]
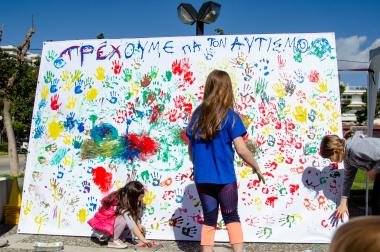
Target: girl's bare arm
[[247, 156]]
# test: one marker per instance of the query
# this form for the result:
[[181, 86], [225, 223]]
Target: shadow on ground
[[5, 228]]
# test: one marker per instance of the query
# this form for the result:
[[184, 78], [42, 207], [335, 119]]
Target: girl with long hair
[[122, 210], [212, 130]]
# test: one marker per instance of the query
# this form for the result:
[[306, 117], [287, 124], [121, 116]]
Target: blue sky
[[355, 23]]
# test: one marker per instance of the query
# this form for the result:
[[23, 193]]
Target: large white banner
[[107, 111]]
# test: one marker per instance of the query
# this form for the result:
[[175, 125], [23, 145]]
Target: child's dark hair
[[127, 198]]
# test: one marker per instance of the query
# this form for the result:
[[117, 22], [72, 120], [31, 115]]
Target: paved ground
[[4, 163], [19, 242]]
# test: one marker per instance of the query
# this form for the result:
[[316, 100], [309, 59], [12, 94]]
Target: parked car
[[22, 147]]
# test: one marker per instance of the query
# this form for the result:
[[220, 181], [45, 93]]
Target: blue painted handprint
[[113, 98], [53, 85], [78, 86]]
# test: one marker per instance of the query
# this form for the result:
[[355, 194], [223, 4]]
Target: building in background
[[12, 50], [349, 120], [354, 96]]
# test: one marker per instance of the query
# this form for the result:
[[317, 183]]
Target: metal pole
[[371, 100], [200, 28]]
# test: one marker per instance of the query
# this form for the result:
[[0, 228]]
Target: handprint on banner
[[175, 221], [188, 230], [290, 220], [149, 197], [116, 66], [99, 74]]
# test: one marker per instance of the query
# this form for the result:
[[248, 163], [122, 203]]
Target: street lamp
[[208, 13]]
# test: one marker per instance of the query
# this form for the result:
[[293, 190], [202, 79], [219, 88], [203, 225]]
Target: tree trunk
[[12, 150]]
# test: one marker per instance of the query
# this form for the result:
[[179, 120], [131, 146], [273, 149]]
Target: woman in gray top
[[356, 151]]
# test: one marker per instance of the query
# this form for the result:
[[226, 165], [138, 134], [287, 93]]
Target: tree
[[100, 36], [344, 104], [361, 115], [10, 79], [220, 31], [22, 93]]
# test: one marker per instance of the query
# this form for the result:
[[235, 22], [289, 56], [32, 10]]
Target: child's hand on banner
[[260, 175]]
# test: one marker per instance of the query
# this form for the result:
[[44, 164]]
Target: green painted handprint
[[89, 82], [77, 76], [127, 74], [260, 86], [145, 176], [168, 76], [51, 56], [49, 77], [153, 72]]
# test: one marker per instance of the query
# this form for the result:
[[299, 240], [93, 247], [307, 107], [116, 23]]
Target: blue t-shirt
[[214, 160]]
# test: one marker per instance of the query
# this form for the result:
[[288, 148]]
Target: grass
[[359, 182], [3, 153]]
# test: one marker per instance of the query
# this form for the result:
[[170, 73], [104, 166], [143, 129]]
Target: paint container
[[48, 246]]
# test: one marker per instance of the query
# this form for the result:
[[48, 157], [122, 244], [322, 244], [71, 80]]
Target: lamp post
[[208, 13]]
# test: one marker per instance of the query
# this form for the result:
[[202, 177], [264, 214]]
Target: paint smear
[[143, 145], [102, 179], [55, 129], [183, 136], [82, 215]]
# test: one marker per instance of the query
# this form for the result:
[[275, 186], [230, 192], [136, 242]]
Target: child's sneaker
[[149, 246], [117, 244]]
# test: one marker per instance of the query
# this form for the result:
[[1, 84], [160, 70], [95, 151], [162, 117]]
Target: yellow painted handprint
[[66, 75], [322, 86], [321, 117], [82, 215], [279, 89], [68, 86], [71, 102], [45, 92], [313, 103], [28, 207], [245, 173], [335, 115], [92, 94], [40, 220], [67, 139], [329, 105], [334, 128], [258, 203], [118, 184], [99, 75], [67, 160], [148, 198], [300, 114], [55, 129]]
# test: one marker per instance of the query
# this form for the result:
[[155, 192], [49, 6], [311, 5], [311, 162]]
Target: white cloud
[[350, 48]]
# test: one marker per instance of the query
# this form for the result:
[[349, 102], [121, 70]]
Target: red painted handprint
[[188, 77], [55, 102], [281, 62], [176, 67], [314, 76], [270, 201], [116, 66]]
